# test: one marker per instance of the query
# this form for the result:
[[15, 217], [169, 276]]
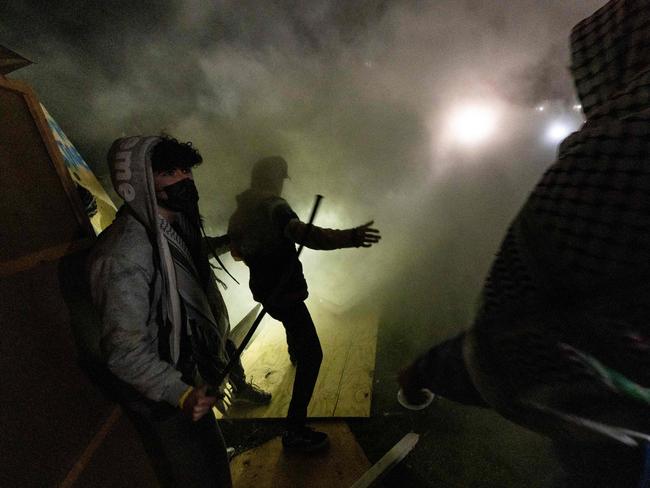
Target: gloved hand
[[364, 235]]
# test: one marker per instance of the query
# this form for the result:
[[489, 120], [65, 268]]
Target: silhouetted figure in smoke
[[164, 325], [561, 343], [263, 231]]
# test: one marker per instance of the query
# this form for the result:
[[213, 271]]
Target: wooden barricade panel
[[58, 428]]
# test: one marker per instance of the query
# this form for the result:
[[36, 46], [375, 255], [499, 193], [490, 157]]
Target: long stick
[[212, 390], [391, 459]]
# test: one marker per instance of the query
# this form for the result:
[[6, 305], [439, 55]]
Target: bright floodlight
[[472, 124], [557, 131]]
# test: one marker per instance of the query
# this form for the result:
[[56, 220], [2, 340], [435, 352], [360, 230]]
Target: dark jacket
[[562, 341], [256, 231], [264, 231]]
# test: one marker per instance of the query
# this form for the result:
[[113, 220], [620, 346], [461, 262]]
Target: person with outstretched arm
[[264, 231]]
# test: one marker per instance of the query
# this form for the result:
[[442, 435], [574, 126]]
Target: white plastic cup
[[429, 396]]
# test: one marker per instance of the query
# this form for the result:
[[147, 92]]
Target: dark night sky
[[355, 94]]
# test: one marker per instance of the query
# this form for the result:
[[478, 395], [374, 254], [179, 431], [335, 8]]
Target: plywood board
[[41, 210], [355, 391], [344, 386], [268, 466]]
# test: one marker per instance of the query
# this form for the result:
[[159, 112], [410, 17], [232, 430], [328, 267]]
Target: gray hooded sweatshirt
[[137, 289]]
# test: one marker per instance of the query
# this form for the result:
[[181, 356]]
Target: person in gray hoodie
[[264, 231], [164, 324]]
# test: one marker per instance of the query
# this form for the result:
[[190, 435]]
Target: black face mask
[[183, 196]]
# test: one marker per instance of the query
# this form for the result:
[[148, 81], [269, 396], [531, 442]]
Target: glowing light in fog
[[472, 124], [557, 131]]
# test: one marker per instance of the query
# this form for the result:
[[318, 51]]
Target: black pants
[[442, 369], [304, 346], [183, 453]]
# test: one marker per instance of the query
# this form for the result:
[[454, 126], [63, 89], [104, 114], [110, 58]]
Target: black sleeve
[[442, 370], [282, 215], [220, 244]]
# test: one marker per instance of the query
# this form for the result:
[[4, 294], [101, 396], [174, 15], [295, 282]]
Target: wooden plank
[[91, 448], [268, 466], [355, 390], [34, 259], [36, 211], [391, 459], [38, 358], [344, 384], [11, 61], [266, 362], [335, 342], [56, 158], [120, 461]]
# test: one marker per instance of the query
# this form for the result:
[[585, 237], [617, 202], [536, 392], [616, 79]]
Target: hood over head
[[129, 161], [569, 285], [610, 59]]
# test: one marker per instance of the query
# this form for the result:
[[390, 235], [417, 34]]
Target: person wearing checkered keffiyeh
[[561, 343], [164, 325]]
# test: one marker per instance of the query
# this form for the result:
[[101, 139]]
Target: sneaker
[[304, 439], [251, 394]]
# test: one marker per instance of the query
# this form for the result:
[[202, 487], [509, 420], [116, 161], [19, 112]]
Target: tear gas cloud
[[361, 98]]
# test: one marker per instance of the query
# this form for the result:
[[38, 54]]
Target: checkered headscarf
[[574, 267]]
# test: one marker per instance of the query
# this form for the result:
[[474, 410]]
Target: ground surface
[[459, 446], [268, 466], [344, 387]]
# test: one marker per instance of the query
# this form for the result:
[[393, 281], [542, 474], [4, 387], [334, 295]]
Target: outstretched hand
[[366, 236]]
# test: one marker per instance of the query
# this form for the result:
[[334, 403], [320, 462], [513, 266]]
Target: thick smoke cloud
[[355, 95]]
